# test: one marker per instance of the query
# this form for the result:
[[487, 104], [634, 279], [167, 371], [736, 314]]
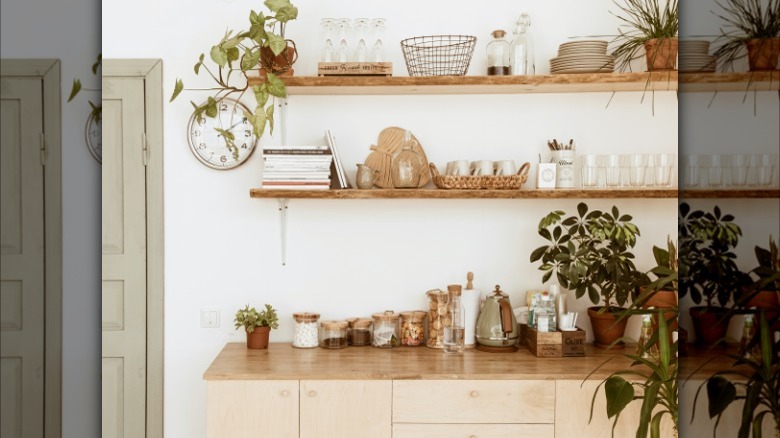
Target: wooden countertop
[[283, 362]]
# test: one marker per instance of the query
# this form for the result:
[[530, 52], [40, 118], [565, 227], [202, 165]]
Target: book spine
[[296, 152]]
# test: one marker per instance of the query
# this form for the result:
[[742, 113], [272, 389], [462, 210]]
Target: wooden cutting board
[[389, 144]]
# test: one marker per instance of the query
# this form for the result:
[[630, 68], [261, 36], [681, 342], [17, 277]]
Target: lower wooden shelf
[[726, 193], [433, 193]]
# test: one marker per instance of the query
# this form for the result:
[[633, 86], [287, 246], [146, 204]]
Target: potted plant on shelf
[[590, 253], [259, 48], [257, 324], [763, 294], [708, 271], [657, 381], [645, 25], [754, 379], [752, 27]]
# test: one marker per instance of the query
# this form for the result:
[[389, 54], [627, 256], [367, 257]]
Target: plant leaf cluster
[[641, 21], [96, 109], [745, 20], [251, 318], [590, 252]]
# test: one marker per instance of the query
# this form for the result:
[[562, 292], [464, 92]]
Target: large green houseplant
[[752, 28], [257, 325], [764, 290], [263, 47], [590, 253], [647, 27]]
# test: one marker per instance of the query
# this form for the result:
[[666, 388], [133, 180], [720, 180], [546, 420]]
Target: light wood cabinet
[[237, 408], [406, 430], [345, 408]]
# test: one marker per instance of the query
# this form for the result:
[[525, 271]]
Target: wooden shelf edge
[[730, 194], [742, 81], [433, 193]]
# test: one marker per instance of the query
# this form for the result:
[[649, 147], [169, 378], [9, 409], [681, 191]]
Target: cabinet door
[[703, 425], [346, 408], [244, 408], [409, 430]]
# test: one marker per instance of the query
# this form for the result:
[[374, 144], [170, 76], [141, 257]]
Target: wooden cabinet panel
[[473, 401], [407, 430], [346, 408], [236, 408], [703, 425]]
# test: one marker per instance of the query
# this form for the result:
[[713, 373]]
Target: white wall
[[350, 258], [70, 31]]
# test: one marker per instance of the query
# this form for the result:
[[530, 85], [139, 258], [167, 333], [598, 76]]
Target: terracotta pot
[[710, 325], [605, 330], [765, 299], [661, 54], [281, 64], [258, 339], [763, 53]]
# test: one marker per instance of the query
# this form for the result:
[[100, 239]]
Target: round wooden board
[[389, 144]]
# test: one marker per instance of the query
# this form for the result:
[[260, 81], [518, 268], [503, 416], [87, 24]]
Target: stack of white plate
[[694, 56], [586, 56]]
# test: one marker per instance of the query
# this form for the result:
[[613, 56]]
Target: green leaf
[[231, 43], [286, 14], [211, 107], [97, 63], [219, 55], [75, 89], [538, 253], [261, 94], [275, 5], [256, 19], [582, 208], [276, 43], [276, 86], [619, 394], [720, 393], [259, 122], [232, 54], [250, 59], [650, 399], [655, 425], [269, 113], [177, 89]]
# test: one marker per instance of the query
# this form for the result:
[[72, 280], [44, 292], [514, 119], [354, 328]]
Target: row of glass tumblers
[[632, 170], [728, 170]]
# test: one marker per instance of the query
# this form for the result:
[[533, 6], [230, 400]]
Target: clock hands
[[234, 125]]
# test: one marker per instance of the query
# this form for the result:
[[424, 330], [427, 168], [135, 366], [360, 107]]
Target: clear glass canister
[[359, 332], [498, 55], [413, 328], [386, 329], [305, 330], [438, 317], [333, 334]]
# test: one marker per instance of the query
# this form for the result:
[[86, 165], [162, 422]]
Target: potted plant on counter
[[752, 27], [763, 294], [590, 253], [645, 25], [259, 48], [708, 271], [257, 324]]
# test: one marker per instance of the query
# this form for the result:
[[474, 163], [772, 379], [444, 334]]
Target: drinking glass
[[611, 165], [636, 169], [343, 27], [739, 169], [662, 169], [361, 34], [714, 170], [328, 26], [765, 169], [590, 170], [378, 31]]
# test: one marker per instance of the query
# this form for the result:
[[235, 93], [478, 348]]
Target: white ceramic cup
[[457, 168], [482, 167], [504, 167]]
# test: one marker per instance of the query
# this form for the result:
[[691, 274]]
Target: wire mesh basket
[[438, 55]]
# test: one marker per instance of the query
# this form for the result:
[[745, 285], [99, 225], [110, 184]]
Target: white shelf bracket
[[283, 227], [281, 110]]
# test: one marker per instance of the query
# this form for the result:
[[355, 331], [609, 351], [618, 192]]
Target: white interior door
[[124, 290], [22, 269]]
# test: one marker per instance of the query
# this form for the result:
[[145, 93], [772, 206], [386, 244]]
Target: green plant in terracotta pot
[[257, 324], [590, 253], [647, 27], [752, 28], [708, 269], [263, 47], [763, 293]]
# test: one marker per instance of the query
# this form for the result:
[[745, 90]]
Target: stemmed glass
[[378, 29], [361, 31], [328, 26], [343, 26]]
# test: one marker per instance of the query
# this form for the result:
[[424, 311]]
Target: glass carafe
[[455, 327], [521, 51], [498, 55], [408, 165]]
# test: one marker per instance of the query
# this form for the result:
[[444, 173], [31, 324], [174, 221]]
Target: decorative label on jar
[[564, 175]]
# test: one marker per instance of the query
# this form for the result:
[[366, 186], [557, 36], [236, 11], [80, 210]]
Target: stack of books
[[297, 167]]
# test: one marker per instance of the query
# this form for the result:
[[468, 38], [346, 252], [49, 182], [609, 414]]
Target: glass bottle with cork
[[521, 50], [746, 350], [645, 333], [455, 328], [498, 55]]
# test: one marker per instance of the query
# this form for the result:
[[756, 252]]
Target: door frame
[[48, 71], [151, 72]]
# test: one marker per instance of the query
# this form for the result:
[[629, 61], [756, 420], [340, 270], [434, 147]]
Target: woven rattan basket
[[483, 182], [438, 55]]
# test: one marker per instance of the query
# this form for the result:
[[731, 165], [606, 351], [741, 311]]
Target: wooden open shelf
[[433, 193], [736, 193], [747, 81], [567, 83]]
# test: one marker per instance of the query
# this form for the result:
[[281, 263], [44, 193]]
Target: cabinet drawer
[[345, 409], [252, 408], [473, 401], [405, 430]]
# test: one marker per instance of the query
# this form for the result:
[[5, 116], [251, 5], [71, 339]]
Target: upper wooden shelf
[[569, 83], [747, 81], [432, 193], [736, 193]]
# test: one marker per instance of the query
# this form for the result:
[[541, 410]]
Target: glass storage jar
[[438, 317], [359, 331], [412, 328], [498, 55], [333, 334], [386, 329], [305, 330]]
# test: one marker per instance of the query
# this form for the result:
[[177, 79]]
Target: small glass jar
[[438, 317], [498, 55], [412, 328], [386, 329], [305, 330], [333, 334], [359, 332]]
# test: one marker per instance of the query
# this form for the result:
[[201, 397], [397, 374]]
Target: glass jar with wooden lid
[[305, 333], [359, 331], [386, 329], [438, 317], [333, 334], [412, 328]]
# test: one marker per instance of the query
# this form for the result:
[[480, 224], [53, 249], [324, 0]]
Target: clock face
[[211, 148], [93, 135]]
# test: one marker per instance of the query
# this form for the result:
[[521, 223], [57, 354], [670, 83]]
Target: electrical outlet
[[209, 318]]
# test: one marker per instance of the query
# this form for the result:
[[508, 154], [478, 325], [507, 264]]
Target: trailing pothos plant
[[239, 53], [97, 108], [590, 252], [656, 379], [756, 380]]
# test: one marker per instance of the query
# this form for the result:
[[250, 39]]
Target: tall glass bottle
[[455, 328], [498, 55], [645, 333], [521, 51], [748, 332], [408, 165]]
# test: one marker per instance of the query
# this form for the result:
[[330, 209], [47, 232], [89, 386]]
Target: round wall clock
[[211, 148], [93, 135]]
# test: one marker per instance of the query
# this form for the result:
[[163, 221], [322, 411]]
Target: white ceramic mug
[[457, 168], [504, 167], [482, 167]]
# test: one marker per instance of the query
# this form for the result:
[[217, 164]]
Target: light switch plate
[[209, 318]]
